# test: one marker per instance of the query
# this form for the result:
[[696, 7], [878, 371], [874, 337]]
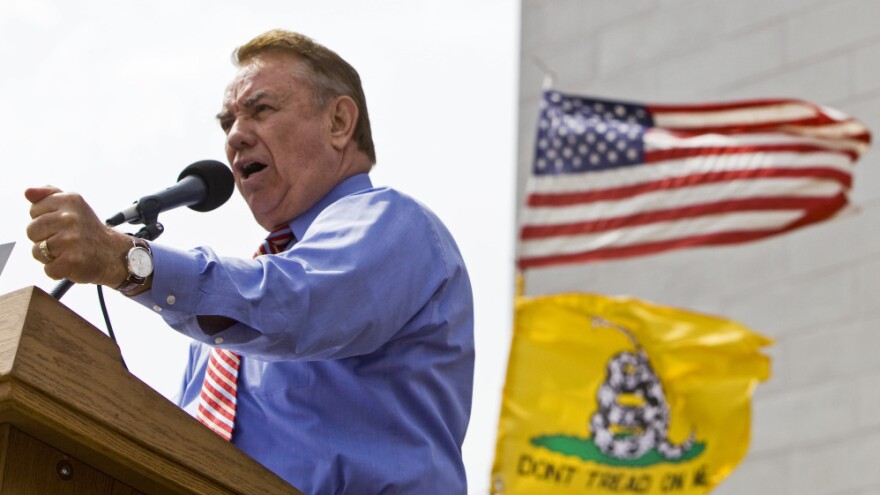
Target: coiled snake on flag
[[645, 422]]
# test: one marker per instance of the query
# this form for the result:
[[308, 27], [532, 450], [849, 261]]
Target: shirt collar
[[351, 185]]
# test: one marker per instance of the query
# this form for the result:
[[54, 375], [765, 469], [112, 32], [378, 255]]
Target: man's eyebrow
[[249, 102], [254, 98]]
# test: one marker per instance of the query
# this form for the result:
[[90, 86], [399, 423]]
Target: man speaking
[[341, 355]]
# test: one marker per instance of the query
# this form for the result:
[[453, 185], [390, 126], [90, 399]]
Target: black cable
[[109, 326]]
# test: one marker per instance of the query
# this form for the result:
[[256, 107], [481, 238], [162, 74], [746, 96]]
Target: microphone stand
[[202, 186]]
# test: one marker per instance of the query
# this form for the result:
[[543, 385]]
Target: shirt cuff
[[175, 278]]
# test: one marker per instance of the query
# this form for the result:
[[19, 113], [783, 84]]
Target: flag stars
[[580, 134], [578, 126]]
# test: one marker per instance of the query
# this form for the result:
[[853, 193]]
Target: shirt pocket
[[269, 377]]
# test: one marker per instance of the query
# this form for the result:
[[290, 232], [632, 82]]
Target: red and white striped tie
[[219, 390]]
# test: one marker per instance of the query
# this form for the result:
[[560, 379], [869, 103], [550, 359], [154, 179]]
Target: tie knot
[[276, 241]]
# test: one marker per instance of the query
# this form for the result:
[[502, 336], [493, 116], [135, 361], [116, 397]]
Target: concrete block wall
[[816, 292]]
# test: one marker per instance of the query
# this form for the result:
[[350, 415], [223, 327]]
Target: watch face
[[140, 262]]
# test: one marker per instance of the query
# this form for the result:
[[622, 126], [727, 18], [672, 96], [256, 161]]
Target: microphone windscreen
[[218, 181]]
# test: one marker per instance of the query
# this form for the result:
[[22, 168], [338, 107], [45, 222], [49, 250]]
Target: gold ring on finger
[[44, 250]]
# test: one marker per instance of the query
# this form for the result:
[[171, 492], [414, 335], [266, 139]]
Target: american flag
[[614, 179]]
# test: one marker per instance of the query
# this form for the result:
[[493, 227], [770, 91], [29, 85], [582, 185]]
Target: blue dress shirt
[[356, 342]]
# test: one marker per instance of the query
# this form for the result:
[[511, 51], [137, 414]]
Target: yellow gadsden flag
[[614, 395]]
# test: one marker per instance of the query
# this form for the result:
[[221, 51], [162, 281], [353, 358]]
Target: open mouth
[[252, 168]]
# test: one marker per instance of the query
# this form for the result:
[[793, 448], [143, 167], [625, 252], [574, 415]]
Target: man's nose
[[240, 135]]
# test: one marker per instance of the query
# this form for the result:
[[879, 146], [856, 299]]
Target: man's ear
[[343, 119]]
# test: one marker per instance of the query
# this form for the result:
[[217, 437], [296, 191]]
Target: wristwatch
[[139, 261]]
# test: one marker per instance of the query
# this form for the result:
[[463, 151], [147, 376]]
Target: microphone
[[203, 186]]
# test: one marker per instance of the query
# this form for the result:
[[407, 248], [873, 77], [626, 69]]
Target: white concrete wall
[[816, 423]]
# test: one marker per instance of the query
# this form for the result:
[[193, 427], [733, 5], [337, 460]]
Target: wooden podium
[[74, 421]]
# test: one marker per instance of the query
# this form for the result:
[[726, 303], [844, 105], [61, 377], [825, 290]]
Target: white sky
[[114, 99]]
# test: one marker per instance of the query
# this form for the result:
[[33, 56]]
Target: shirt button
[[218, 340], [157, 308], [171, 300]]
